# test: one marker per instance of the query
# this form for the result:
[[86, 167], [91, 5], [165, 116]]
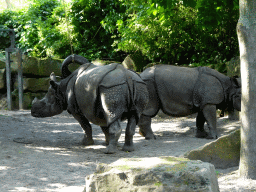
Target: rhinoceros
[[102, 95], [181, 91]]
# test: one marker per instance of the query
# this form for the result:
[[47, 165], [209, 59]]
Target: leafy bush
[[8, 20], [40, 29], [170, 32], [94, 37], [160, 34], [43, 35], [165, 31]]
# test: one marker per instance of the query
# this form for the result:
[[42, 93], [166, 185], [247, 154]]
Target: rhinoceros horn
[[70, 59]]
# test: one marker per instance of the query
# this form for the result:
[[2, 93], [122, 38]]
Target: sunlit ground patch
[[4, 168]]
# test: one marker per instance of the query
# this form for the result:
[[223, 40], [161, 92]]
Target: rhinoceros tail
[[138, 93], [71, 59]]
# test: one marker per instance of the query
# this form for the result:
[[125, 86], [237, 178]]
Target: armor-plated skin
[[181, 91], [103, 95]]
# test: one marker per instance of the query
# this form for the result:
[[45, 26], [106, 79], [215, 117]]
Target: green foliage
[[218, 19], [171, 32], [7, 20], [94, 37], [40, 29], [45, 33], [161, 34], [201, 32]]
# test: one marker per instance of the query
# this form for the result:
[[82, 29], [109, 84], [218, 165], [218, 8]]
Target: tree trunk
[[8, 4], [246, 31]]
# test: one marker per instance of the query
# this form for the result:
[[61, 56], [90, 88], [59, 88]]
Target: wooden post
[[20, 78], [8, 78]]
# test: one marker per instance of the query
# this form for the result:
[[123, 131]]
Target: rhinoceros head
[[53, 102], [235, 93]]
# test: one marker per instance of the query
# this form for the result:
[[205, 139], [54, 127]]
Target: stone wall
[[36, 79], [36, 74]]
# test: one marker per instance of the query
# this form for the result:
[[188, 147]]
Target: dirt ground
[[45, 154]]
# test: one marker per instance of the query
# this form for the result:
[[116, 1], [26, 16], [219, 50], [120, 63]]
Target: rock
[[222, 153], [32, 66], [103, 62], [135, 61], [27, 99], [35, 84], [128, 63], [140, 61], [2, 78], [153, 174]]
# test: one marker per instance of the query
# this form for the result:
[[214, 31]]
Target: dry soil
[[44, 154]]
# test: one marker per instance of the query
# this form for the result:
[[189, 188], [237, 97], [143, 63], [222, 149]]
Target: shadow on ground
[[45, 154]]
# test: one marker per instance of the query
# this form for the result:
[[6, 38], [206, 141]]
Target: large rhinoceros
[[181, 91], [103, 95]]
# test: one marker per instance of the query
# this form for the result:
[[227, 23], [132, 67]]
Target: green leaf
[[155, 12]]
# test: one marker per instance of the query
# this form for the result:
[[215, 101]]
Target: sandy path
[[45, 154]]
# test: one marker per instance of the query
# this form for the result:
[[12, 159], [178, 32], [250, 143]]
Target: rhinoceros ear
[[54, 85], [53, 77]]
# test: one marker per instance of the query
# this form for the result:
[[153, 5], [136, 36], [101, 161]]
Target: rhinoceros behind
[[181, 91], [103, 95]]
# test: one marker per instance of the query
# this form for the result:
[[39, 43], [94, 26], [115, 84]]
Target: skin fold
[[182, 91]]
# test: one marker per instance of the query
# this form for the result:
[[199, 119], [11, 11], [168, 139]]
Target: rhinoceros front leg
[[145, 127], [129, 132], [208, 114], [114, 132], [87, 140]]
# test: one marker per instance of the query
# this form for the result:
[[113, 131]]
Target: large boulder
[[27, 99], [135, 61], [128, 63], [32, 66], [153, 174], [35, 84], [101, 62], [222, 153]]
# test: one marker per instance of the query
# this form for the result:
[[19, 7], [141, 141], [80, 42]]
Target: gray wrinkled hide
[[106, 87], [103, 95], [181, 91]]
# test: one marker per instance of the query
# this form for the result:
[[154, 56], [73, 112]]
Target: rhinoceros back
[[102, 85], [127, 92]]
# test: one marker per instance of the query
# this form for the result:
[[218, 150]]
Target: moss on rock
[[223, 153], [153, 174]]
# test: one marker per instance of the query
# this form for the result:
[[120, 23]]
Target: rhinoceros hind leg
[[87, 140], [105, 130], [145, 127], [209, 112], [129, 132], [200, 120], [114, 134], [202, 134]]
